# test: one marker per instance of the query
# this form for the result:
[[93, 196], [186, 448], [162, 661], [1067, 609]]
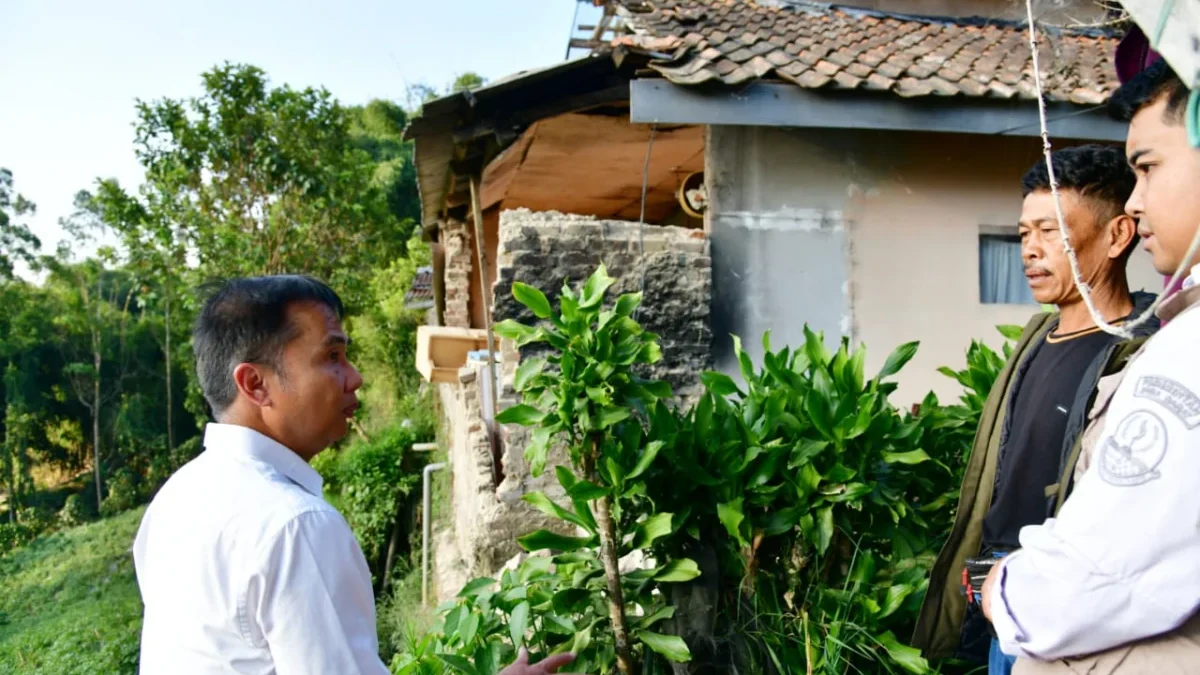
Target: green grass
[[69, 602]]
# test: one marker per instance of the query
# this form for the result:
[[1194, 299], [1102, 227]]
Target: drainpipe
[[426, 522]]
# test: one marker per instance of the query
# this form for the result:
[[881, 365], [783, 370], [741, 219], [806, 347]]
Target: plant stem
[[602, 509]]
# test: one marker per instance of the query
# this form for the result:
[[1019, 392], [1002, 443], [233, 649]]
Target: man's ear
[[1122, 230], [251, 381]]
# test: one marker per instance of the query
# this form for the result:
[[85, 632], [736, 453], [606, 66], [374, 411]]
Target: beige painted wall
[[914, 238]]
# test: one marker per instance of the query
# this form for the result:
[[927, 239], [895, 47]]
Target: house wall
[[909, 208]]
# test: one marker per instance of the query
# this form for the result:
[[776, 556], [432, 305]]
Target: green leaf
[[595, 287], [720, 383], [910, 457], [570, 600], [518, 332], [558, 624], [468, 629], [538, 448], [547, 506], [522, 414], [528, 370], [805, 452], [671, 646], [782, 520], [1011, 332], [678, 571], [661, 614], [817, 403], [652, 529], [647, 458], [583, 639], [532, 298], [545, 539], [476, 587], [517, 623], [649, 352], [731, 516], [585, 491], [824, 528], [627, 303], [459, 663], [612, 415], [908, 658], [896, 593], [897, 359], [744, 362]]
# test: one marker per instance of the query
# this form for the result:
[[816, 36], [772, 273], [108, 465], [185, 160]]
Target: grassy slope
[[69, 602]]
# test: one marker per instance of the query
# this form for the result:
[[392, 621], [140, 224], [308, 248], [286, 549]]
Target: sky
[[70, 72]]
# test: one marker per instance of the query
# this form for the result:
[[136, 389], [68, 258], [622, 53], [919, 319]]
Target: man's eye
[[334, 355]]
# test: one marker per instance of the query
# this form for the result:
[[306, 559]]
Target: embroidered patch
[[1176, 398], [1132, 454]]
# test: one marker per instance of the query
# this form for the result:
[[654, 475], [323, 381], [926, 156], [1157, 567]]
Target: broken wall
[[543, 249], [670, 265]]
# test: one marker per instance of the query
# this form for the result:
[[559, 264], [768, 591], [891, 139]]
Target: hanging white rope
[[1126, 329]]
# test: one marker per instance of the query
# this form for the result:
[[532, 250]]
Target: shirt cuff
[[1008, 631]]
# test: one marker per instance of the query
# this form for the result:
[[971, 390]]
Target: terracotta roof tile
[[735, 41]]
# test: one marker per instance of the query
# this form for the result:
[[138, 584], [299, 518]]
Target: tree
[[17, 242], [156, 250], [98, 308], [378, 129], [466, 82], [269, 180]]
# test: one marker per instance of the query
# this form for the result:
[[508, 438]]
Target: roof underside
[[731, 42]]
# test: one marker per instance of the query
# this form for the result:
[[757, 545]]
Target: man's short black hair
[[1156, 82], [245, 321]]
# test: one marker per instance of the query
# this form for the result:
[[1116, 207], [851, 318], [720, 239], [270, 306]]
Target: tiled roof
[[732, 42], [420, 296]]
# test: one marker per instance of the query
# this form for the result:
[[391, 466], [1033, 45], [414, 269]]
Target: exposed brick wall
[[459, 261], [544, 248]]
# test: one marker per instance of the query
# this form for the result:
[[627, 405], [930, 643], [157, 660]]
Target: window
[[1001, 273]]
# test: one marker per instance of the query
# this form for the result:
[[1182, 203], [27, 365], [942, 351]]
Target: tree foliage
[[17, 241]]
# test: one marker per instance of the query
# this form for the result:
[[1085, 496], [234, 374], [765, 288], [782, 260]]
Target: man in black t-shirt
[[1042, 396]]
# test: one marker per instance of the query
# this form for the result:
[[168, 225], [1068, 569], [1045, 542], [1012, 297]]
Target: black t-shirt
[[1029, 459]]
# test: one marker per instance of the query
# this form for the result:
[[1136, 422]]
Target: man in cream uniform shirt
[[243, 566], [1111, 585]]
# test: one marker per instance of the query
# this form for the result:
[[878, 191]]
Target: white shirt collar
[[248, 443]]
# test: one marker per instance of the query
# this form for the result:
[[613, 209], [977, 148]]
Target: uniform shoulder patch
[[1131, 455]]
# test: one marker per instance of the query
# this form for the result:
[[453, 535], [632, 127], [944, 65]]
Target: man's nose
[[1134, 207], [355, 380]]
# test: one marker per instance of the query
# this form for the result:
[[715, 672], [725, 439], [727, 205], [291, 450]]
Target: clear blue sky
[[70, 71]]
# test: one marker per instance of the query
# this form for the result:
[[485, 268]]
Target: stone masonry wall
[[544, 248]]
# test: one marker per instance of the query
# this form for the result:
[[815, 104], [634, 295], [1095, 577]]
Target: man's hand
[[550, 664], [992, 579]]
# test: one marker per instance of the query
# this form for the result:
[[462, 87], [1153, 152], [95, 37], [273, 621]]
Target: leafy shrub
[[14, 535], [814, 506], [74, 512], [370, 481], [122, 494]]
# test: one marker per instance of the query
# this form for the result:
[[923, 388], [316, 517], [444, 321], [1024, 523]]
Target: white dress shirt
[[1118, 564], [244, 568]]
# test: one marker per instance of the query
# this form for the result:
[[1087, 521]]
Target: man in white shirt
[[1110, 585], [243, 566]]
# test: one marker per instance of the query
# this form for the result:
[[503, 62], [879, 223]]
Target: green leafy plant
[[587, 395]]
